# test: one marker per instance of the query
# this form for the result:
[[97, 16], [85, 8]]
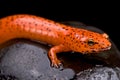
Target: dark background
[[101, 14]]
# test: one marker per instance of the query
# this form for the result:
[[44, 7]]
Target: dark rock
[[30, 62], [99, 73]]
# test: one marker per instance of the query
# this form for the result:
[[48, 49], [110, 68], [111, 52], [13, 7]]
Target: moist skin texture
[[64, 38]]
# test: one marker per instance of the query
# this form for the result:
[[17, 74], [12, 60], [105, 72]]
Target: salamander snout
[[101, 43], [95, 43], [107, 42]]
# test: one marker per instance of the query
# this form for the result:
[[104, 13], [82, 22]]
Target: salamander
[[63, 38]]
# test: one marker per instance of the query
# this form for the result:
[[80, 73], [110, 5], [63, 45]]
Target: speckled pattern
[[63, 37]]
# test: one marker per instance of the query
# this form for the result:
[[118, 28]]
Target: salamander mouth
[[107, 48], [103, 49], [97, 51]]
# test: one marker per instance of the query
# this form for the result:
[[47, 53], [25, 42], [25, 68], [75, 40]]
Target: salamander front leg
[[53, 57]]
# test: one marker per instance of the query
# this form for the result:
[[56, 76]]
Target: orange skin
[[64, 38]]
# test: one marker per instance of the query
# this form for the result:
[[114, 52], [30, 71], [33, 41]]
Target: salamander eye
[[91, 42]]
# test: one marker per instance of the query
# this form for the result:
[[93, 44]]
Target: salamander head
[[91, 42]]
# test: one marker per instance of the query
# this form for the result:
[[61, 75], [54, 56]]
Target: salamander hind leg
[[53, 55]]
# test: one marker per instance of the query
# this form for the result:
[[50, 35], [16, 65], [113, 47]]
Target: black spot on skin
[[90, 35], [79, 46], [56, 24], [82, 43], [98, 45], [102, 48], [73, 38], [17, 24], [49, 30], [82, 33], [86, 51], [12, 18], [96, 38], [29, 23], [93, 51], [36, 24], [50, 55], [66, 29], [63, 27], [68, 35], [82, 51], [76, 41], [85, 46]]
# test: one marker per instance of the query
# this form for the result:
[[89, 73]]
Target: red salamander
[[64, 38]]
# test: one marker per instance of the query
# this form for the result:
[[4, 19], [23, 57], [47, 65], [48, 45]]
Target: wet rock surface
[[27, 60], [99, 73], [30, 62]]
